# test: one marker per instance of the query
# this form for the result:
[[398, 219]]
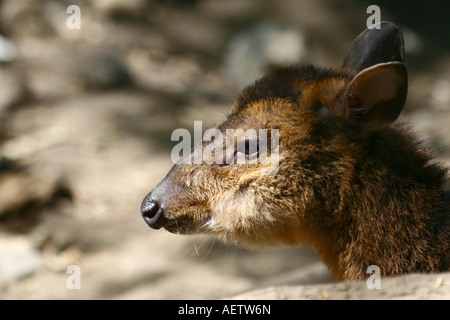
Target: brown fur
[[359, 198]]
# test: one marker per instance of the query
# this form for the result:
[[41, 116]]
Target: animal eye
[[248, 148]]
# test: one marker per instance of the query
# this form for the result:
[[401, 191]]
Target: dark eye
[[249, 148]]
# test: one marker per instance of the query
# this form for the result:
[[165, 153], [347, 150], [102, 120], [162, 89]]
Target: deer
[[352, 180]]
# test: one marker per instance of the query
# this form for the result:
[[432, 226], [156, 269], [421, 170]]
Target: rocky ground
[[85, 123]]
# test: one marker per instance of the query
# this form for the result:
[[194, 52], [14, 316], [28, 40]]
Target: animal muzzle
[[152, 211], [157, 208]]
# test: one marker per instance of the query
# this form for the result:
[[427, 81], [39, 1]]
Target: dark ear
[[376, 96], [383, 43]]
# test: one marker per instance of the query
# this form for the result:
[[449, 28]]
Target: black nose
[[151, 211]]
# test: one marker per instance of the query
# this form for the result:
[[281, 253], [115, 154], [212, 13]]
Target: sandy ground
[[91, 147]]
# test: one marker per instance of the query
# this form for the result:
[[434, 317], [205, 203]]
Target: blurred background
[[86, 117]]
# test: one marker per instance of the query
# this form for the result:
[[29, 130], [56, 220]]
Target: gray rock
[[24, 17], [8, 50], [104, 71], [121, 8], [7, 164], [12, 90], [18, 259], [254, 52], [20, 189], [407, 287]]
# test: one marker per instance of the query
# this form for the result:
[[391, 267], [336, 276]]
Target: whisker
[[197, 248], [196, 251], [178, 227], [210, 248], [204, 225]]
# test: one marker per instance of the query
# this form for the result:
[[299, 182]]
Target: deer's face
[[257, 178], [295, 135]]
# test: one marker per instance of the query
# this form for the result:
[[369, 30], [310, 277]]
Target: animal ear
[[376, 96], [380, 44]]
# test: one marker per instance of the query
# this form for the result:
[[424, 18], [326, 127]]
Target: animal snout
[[151, 211]]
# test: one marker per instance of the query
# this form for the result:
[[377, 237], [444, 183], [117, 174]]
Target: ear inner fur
[[376, 96]]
